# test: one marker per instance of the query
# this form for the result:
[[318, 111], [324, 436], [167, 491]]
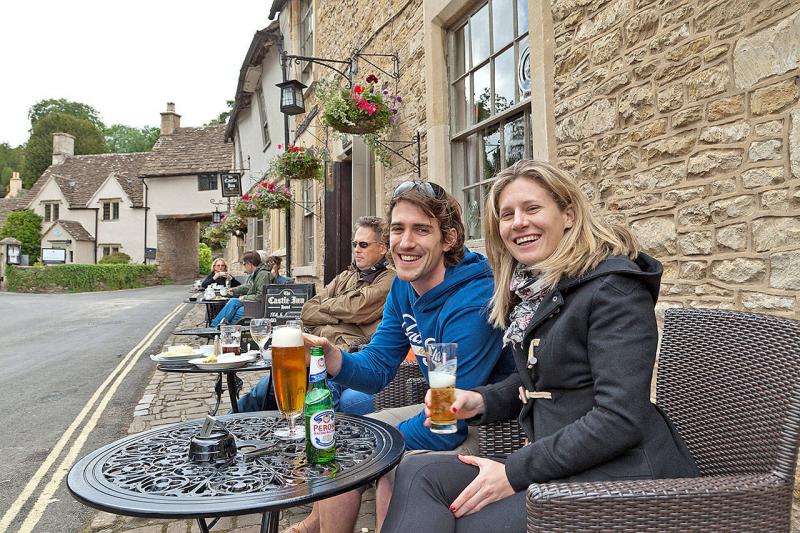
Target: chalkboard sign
[[150, 253], [284, 302], [231, 184]]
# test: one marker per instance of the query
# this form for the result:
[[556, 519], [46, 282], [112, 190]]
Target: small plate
[[224, 362]]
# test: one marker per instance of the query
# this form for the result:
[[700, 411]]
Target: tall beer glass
[[289, 375], [442, 361]]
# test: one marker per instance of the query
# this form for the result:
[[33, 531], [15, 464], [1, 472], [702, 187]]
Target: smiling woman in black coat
[[576, 298]]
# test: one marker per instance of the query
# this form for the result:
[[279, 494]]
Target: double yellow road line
[[104, 393]]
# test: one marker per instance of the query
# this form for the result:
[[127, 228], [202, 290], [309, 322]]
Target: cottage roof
[[74, 228], [189, 151], [11, 204], [80, 176]]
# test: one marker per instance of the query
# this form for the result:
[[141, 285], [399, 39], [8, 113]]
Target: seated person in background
[[219, 273], [252, 290], [576, 298], [441, 294], [348, 309], [276, 261]]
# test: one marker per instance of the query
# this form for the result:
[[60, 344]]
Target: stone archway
[[178, 240]]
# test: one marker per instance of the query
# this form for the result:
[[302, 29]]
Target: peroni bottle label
[[321, 429]]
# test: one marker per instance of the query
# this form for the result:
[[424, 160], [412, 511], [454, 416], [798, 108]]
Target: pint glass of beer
[[442, 363], [289, 375]]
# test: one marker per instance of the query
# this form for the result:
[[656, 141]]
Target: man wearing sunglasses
[[441, 294], [346, 311]]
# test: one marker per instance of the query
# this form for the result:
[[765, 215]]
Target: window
[[306, 33], [262, 112], [308, 222], [51, 211], [110, 209], [489, 74], [71, 256], [259, 233], [207, 182], [109, 249]]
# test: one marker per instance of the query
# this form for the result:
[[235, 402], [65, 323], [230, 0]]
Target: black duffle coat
[[583, 372]]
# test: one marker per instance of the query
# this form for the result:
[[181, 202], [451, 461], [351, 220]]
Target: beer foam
[[283, 337], [440, 380]]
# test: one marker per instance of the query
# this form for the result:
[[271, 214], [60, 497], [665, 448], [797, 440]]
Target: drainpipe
[[146, 209], [96, 229]]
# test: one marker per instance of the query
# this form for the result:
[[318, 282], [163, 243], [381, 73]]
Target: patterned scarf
[[527, 284], [369, 274]]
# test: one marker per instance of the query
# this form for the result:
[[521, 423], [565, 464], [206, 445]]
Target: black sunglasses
[[427, 188], [361, 244]]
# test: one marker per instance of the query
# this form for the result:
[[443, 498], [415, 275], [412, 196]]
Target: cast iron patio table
[[150, 474], [220, 302], [208, 333], [230, 375]]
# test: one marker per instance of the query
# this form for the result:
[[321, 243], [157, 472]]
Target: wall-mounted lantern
[[292, 97]]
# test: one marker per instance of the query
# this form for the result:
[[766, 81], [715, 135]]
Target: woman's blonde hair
[[588, 242], [218, 260]]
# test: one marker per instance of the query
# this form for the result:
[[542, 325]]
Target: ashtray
[[216, 448]]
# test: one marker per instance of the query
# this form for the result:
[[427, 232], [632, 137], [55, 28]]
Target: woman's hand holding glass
[[466, 405]]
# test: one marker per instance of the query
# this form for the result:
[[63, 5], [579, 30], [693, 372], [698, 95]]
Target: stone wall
[[681, 119], [177, 254]]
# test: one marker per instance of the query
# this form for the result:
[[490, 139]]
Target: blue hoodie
[[456, 310]]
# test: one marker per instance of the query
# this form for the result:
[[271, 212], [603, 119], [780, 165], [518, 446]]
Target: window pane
[[504, 75], [460, 51], [56, 207], [481, 94], [522, 16], [502, 23], [47, 212], [472, 212], [524, 64], [514, 139], [106, 210], [491, 152], [459, 105], [116, 210], [479, 33], [472, 166]]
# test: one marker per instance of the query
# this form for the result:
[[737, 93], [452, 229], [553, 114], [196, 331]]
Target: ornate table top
[[150, 474]]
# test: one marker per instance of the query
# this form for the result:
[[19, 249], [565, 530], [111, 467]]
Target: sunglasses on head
[[427, 188], [361, 244]]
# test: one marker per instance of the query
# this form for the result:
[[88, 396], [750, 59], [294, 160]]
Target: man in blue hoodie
[[441, 294]]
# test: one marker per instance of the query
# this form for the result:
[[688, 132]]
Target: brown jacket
[[348, 308]]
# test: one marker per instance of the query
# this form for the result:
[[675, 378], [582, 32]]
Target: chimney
[[170, 120], [15, 185], [63, 147]]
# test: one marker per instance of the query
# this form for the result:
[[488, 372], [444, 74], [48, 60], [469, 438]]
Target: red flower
[[358, 89], [246, 197], [295, 149], [280, 147], [271, 187], [372, 78], [263, 183]]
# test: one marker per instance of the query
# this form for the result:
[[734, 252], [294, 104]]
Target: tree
[[121, 139], [11, 160], [25, 226], [39, 150], [222, 118], [41, 109]]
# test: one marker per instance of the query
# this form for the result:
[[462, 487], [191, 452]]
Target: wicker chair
[[730, 382], [407, 388]]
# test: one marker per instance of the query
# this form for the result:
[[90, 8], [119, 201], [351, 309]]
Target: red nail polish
[[452, 508], [455, 409]]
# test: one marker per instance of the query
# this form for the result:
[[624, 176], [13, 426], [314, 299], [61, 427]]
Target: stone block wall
[[681, 119], [177, 255]]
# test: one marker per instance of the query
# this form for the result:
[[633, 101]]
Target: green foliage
[[121, 139], [25, 226], [39, 150], [11, 160], [204, 261], [222, 118], [116, 258], [80, 278], [297, 163], [42, 108], [215, 236]]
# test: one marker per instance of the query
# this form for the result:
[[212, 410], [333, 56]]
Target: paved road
[[55, 352]]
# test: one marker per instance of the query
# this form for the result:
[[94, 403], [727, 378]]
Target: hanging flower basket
[[247, 207], [271, 196], [368, 110], [297, 163], [215, 236], [234, 224]]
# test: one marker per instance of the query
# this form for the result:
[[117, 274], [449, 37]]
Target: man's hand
[[489, 486], [333, 355], [466, 405]]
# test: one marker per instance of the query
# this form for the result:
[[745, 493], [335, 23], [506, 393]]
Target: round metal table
[[150, 474], [230, 375], [212, 306]]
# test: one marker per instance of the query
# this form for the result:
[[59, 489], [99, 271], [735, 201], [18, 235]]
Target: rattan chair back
[[730, 382]]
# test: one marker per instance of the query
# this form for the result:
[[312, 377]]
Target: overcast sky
[[125, 59]]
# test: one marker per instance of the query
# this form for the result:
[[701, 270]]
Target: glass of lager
[[289, 375], [442, 361]]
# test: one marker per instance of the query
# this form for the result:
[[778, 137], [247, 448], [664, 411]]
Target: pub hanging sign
[[231, 184]]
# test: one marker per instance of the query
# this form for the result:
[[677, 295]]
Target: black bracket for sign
[[397, 150]]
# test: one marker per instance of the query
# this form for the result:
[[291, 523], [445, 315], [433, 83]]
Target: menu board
[[285, 302]]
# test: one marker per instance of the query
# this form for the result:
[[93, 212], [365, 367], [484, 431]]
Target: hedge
[[80, 278]]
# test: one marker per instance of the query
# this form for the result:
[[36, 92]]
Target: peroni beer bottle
[[320, 436]]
